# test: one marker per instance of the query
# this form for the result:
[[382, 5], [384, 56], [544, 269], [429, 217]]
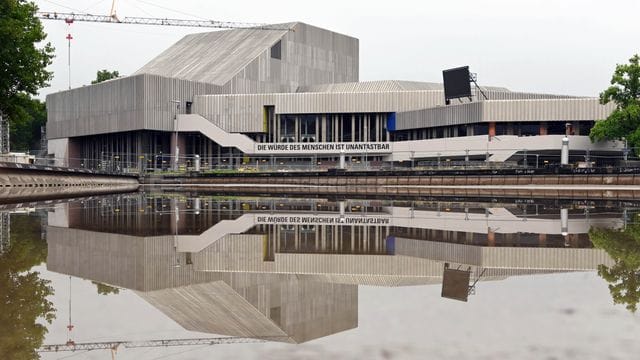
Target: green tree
[[624, 275], [624, 92], [23, 294], [22, 62], [29, 115], [104, 75], [104, 289]]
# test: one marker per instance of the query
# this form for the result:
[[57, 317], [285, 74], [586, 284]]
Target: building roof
[[371, 86], [213, 57], [381, 86]]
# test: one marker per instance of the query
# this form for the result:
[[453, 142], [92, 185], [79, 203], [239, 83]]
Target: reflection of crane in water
[[114, 345], [71, 345]]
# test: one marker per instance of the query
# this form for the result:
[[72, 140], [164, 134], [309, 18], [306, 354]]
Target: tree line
[[24, 58]]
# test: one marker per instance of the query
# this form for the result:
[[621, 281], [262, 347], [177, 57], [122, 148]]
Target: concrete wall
[[31, 185]]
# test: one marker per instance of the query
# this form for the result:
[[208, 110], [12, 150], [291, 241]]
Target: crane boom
[[72, 17], [112, 345]]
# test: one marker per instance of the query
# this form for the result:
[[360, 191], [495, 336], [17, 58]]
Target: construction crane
[[69, 18], [113, 19]]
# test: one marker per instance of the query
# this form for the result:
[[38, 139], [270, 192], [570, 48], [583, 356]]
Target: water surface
[[322, 277]]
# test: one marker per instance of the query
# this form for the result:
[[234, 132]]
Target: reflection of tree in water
[[23, 293], [104, 289], [624, 276]]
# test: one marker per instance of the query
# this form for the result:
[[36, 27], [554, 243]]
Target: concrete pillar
[[365, 128], [564, 222], [177, 149], [542, 240], [196, 205], [492, 129], [353, 127], [196, 163], [543, 128], [342, 159], [491, 237], [323, 138], [564, 152], [74, 154]]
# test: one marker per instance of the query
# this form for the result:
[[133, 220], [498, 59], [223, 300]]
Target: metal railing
[[164, 164]]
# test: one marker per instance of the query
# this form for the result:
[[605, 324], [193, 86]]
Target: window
[[480, 129], [276, 50], [529, 128], [501, 129], [556, 128]]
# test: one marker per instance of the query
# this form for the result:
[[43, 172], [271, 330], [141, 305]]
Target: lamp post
[[175, 128]]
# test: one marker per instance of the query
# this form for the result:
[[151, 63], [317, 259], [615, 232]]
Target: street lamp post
[[175, 128]]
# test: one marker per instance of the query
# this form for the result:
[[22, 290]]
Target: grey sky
[[567, 47]]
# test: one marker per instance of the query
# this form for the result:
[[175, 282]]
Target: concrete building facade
[[248, 94]]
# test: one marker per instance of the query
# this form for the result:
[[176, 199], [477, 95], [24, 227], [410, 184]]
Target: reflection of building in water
[[283, 307], [290, 268]]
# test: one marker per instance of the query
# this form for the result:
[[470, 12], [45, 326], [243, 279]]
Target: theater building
[[292, 94]]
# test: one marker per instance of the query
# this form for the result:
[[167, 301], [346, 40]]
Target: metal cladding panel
[[439, 251], [371, 86], [124, 104], [416, 108], [545, 258], [119, 260], [212, 57], [516, 259], [440, 116], [356, 265], [240, 60], [243, 113], [310, 56], [159, 92], [237, 252], [373, 280], [546, 110], [570, 109], [213, 308], [115, 105]]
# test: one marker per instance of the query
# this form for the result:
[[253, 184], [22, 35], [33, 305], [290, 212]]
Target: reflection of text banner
[[323, 220], [324, 148]]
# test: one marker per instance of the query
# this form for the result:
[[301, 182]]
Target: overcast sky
[[566, 47]]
